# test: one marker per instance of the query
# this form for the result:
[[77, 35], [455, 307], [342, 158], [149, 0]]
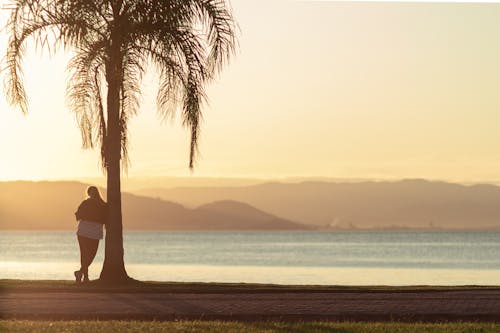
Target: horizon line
[[273, 179]]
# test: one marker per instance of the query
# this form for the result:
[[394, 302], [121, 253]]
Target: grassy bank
[[236, 327], [172, 287]]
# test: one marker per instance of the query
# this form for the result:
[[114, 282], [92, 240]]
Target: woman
[[91, 215]]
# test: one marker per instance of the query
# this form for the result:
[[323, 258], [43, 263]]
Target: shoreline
[[42, 286]]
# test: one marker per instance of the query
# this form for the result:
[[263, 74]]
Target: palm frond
[[221, 31], [188, 41], [84, 94]]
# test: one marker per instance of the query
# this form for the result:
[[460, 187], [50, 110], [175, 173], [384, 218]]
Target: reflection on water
[[346, 258]]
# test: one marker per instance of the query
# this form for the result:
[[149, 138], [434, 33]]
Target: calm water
[[361, 258]]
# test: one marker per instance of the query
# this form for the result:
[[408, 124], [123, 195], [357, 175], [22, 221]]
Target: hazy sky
[[356, 90]]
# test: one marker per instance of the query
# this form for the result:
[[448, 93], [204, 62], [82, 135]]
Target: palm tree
[[188, 42]]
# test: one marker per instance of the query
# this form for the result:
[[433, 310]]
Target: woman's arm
[[78, 213]]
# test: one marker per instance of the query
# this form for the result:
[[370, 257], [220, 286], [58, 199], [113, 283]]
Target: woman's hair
[[93, 192]]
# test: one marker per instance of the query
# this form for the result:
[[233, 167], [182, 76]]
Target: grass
[[13, 326], [172, 287]]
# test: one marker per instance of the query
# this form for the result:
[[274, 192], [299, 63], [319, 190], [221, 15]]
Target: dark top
[[92, 210]]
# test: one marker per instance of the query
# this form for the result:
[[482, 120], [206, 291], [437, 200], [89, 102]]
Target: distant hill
[[252, 217], [401, 204], [51, 205]]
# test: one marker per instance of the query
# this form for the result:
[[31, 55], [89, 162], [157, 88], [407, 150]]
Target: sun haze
[[333, 89]]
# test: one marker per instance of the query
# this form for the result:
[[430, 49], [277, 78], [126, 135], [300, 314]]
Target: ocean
[[281, 257]]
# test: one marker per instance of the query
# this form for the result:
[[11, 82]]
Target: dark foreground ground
[[109, 326], [51, 300]]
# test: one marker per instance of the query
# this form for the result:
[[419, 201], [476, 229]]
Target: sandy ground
[[454, 305]]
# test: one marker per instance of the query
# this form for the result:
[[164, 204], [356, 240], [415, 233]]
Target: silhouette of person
[[91, 215]]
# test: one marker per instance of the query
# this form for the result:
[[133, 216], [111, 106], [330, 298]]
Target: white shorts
[[90, 229]]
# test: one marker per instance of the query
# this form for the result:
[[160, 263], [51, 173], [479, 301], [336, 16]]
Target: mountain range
[[51, 205], [406, 204], [412, 203]]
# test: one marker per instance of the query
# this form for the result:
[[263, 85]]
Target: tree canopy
[[187, 41]]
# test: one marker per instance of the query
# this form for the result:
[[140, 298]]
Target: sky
[[316, 89]]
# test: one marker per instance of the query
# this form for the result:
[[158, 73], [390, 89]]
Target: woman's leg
[[88, 250], [83, 254], [78, 273], [81, 244], [93, 244]]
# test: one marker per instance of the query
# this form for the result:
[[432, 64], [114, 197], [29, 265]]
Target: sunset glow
[[267, 165], [320, 89]]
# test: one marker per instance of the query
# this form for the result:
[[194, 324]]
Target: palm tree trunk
[[113, 269]]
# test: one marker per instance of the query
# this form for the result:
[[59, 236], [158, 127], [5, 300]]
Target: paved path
[[406, 306]]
